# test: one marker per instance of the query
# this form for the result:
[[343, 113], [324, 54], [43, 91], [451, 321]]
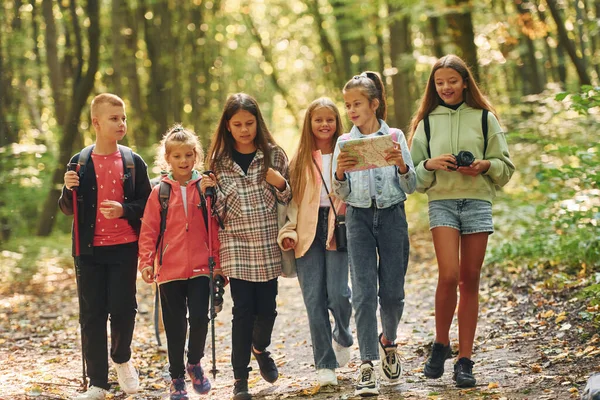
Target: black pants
[[254, 312], [107, 288], [177, 298]]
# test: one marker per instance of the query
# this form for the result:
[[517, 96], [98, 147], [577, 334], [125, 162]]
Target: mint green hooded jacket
[[453, 131]]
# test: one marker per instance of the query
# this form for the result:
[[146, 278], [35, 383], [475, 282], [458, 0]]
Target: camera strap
[[326, 190]]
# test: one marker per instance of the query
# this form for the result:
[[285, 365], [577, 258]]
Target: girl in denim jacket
[[322, 268], [460, 200], [377, 229]]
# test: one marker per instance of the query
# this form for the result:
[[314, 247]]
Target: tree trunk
[[460, 24], [434, 26], [330, 59], [532, 84], [81, 86], [568, 45], [402, 60]]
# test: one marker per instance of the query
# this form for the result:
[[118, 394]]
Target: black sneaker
[[463, 373], [268, 369], [240, 390], [434, 367]]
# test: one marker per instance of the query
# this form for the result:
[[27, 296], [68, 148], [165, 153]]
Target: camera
[[464, 158], [340, 233]]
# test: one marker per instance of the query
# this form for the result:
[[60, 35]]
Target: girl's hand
[[111, 209], [71, 179], [394, 154], [207, 181], [288, 244], [274, 178], [478, 167], [148, 274], [344, 162], [445, 162]]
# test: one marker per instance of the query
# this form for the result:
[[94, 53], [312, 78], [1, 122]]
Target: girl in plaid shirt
[[250, 176]]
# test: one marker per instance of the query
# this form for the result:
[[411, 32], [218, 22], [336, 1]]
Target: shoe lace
[[198, 372], [391, 357], [366, 374], [179, 385]]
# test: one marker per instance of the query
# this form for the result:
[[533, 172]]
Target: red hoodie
[[185, 242]]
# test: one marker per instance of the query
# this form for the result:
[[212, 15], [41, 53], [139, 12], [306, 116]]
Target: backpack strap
[[127, 154], [84, 156], [164, 193], [427, 133], [484, 129], [202, 205]]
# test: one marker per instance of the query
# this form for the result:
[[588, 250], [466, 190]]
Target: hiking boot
[[200, 382], [463, 373], [177, 389], [268, 369], [128, 377], [326, 377], [240, 390], [342, 354], [390, 362], [434, 367], [93, 393], [366, 383]]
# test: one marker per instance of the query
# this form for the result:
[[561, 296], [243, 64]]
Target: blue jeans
[[323, 277], [374, 232]]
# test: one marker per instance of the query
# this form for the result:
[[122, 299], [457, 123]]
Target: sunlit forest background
[[538, 61]]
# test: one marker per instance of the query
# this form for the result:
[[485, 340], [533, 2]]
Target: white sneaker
[[366, 382], [93, 393], [342, 354], [327, 377], [128, 377], [390, 365]]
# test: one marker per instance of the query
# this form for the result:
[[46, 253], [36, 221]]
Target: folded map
[[369, 151]]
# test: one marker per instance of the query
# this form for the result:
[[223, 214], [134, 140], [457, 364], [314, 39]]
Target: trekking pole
[[74, 167], [210, 195]]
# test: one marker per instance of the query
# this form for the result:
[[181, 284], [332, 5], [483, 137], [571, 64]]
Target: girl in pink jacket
[[177, 259], [321, 263]]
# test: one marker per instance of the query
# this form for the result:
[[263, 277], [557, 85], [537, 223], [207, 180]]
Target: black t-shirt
[[243, 160], [453, 107]]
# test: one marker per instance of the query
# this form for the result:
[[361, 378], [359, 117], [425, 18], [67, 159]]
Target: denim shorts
[[465, 215]]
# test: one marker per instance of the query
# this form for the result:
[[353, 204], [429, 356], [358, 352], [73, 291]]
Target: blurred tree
[[460, 25], [71, 80], [532, 79]]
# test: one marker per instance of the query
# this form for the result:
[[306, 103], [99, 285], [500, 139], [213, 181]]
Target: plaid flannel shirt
[[247, 206]]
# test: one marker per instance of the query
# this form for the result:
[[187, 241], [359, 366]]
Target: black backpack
[[127, 153], [484, 129]]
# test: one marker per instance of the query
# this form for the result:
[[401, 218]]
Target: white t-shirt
[[325, 170], [184, 198]]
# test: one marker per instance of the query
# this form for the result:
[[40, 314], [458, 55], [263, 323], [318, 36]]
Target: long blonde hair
[[301, 165], [430, 100]]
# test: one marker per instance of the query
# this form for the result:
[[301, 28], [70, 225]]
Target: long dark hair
[[430, 100], [371, 85], [223, 143]]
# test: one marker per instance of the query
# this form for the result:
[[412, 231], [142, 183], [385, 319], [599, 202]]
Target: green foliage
[[21, 260], [564, 196]]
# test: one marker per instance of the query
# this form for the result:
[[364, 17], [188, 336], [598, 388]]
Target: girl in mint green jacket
[[460, 156]]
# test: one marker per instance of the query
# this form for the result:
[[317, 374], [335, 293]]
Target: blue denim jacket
[[391, 187]]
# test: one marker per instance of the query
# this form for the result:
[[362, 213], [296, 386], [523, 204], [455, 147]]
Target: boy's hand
[[478, 167], [274, 178], [71, 179], [148, 274], [344, 162], [207, 181], [288, 243], [394, 154], [111, 209], [445, 162]]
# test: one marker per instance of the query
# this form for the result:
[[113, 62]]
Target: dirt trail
[[40, 358]]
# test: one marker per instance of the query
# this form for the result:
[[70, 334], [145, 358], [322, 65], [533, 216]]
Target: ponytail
[[372, 86]]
